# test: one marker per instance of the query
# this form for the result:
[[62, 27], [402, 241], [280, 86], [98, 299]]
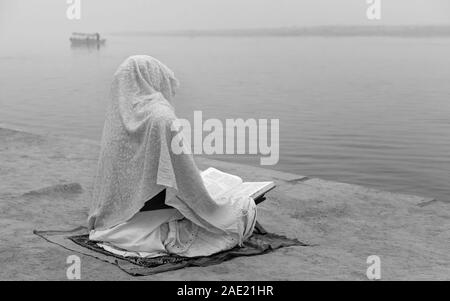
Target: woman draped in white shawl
[[137, 164]]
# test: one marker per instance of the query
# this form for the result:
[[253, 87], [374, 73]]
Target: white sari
[[136, 163]]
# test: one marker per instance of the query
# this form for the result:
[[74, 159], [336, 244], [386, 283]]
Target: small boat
[[79, 38]]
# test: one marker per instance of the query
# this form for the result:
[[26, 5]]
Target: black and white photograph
[[225, 147]]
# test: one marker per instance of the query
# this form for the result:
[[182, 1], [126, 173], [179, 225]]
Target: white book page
[[218, 183], [249, 189]]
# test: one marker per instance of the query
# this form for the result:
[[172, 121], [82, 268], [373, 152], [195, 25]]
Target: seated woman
[[148, 200]]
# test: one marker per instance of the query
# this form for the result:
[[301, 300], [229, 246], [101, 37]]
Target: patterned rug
[[261, 242]]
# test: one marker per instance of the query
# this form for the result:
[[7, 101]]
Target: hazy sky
[[31, 17]]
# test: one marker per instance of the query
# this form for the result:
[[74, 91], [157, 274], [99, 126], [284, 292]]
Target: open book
[[224, 185]]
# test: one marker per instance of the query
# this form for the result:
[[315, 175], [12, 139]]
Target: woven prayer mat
[[261, 242]]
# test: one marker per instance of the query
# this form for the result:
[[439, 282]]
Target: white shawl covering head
[[136, 161]]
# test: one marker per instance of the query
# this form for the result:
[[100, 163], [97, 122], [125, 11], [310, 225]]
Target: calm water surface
[[371, 111]]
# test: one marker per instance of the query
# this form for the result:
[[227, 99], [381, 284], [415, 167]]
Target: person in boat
[[148, 200]]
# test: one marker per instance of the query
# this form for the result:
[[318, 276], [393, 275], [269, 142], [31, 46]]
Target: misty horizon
[[35, 20], [422, 30]]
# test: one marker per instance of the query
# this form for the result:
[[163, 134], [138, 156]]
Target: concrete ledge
[[45, 183]]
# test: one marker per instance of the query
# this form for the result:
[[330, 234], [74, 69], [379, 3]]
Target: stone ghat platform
[[46, 181]]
